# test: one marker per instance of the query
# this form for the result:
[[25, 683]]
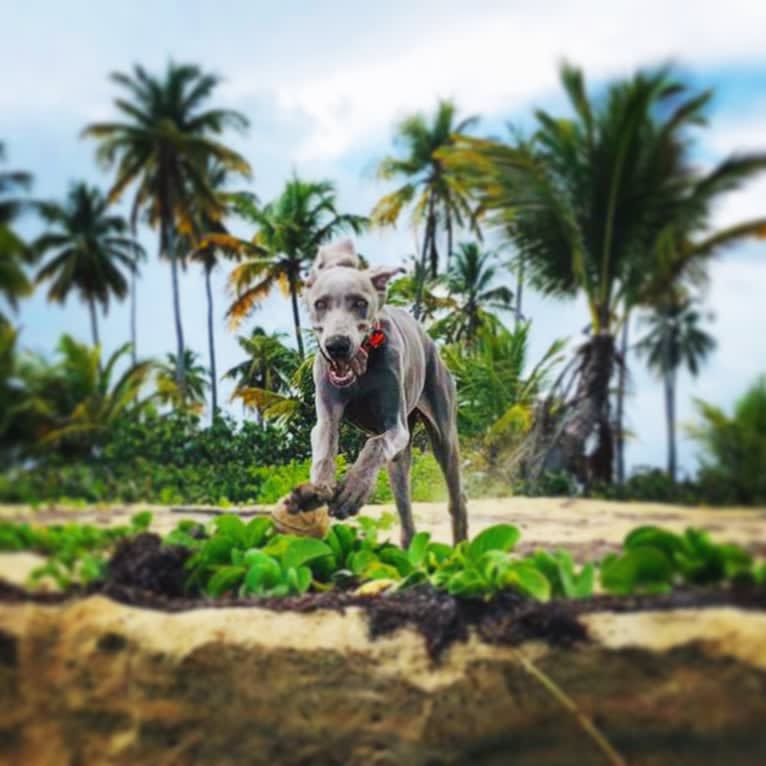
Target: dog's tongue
[[341, 373]]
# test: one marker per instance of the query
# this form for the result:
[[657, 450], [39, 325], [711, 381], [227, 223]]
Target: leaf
[[397, 558], [216, 550], [436, 554], [232, 527], [141, 521], [500, 537], [302, 550], [469, 582], [341, 538], [377, 570], [369, 529], [361, 560], [642, 568], [666, 541], [416, 552], [257, 531], [263, 574], [528, 580], [299, 579], [225, 578]]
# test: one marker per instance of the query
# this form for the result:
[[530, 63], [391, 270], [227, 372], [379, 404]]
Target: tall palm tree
[[607, 204], [436, 193], [208, 255], [290, 229], [90, 251], [14, 253], [470, 284], [192, 395], [163, 141], [674, 340]]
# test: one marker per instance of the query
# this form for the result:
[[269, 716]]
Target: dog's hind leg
[[399, 476], [439, 406]]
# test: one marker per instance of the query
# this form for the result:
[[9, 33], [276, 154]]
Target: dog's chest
[[374, 403]]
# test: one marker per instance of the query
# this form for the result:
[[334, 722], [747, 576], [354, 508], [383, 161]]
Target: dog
[[377, 369]]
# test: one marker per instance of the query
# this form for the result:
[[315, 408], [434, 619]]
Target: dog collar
[[375, 339]]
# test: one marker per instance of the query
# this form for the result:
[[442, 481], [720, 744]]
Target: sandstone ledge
[[91, 681]]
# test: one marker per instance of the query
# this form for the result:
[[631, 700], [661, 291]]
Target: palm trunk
[[670, 415], [93, 321], [180, 347], [519, 317], [434, 251], [211, 344], [591, 412], [621, 383], [133, 297], [296, 313], [449, 240], [424, 258], [133, 332]]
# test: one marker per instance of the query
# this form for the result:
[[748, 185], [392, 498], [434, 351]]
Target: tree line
[[604, 201]]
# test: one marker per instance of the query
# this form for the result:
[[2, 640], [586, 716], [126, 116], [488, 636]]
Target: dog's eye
[[360, 304], [320, 305]]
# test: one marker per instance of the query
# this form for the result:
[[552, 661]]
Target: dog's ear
[[340, 253], [380, 276]]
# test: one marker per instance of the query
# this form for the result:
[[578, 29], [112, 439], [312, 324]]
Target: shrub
[[734, 448]]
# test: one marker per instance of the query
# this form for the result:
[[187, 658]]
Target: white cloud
[[498, 61]]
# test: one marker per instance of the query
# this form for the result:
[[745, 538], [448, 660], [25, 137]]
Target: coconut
[[305, 523]]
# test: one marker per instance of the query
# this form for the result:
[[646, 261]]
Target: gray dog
[[377, 369]]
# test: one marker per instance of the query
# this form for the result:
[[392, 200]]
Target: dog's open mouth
[[341, 374]]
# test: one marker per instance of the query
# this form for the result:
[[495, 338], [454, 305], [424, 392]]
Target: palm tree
[[674, 340], [469, 282], [495, 396], [207, 255], [434, 298], [734, 448], [606, 204], [269, 365], [163, 143], [14, 254], [290, 229], [90, 249], [437, 194], [73, 403], [192, 395]]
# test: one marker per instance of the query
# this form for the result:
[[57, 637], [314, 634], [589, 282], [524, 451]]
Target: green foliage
[[77, 553], [734, 448], [561, 572], [231, 556], [654, 485], [655, 560]]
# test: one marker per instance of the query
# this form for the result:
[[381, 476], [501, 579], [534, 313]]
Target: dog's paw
[[307, 497], [352, 494]]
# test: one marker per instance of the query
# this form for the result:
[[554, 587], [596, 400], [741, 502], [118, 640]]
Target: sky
[[324, 84]]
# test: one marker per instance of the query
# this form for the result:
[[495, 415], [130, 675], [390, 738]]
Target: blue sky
[[323, 84]]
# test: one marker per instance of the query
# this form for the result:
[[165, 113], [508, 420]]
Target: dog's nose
[[338, 346]]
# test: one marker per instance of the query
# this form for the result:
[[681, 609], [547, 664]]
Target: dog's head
[[343, 302]]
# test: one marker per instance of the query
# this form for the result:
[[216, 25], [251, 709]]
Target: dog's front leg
[[324, 451], [360, 480]]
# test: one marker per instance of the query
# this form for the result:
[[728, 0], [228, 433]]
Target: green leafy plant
[[230, 556], [77, 553], [655, 560]]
